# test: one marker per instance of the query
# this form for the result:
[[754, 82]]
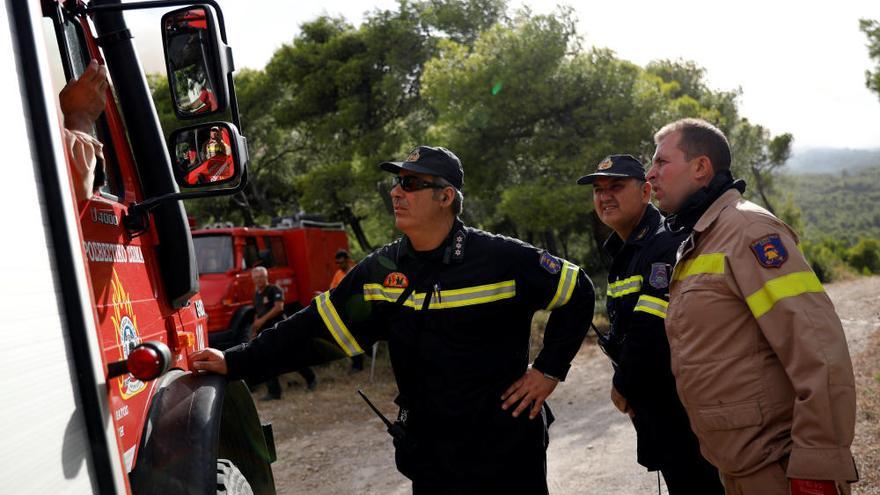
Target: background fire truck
[[299, 256], [102, 304]]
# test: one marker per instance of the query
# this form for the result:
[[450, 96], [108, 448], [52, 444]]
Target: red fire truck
[[101, 302], [298, 255]]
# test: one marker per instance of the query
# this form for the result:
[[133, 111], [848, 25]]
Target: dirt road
[[329, 443]]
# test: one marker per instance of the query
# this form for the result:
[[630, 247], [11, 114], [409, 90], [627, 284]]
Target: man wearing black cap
[[455, 305], [643, 387]]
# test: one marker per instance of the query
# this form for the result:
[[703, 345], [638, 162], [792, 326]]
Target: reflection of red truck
[[300, 260]]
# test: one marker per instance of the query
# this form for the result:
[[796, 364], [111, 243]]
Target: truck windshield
[[214, 253]]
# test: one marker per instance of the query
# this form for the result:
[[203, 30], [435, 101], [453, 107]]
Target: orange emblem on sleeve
[[396, 280]]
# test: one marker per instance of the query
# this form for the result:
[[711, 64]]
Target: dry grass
[[866, 446], [540, 321], [301, 412]]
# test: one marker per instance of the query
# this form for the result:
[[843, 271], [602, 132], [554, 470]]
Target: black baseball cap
[[432, 161], [616, 166]]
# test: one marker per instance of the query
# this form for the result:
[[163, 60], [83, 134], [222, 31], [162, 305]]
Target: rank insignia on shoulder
[[550, 263], [459, 241], [396, 280], [770, 251], [659, 278]]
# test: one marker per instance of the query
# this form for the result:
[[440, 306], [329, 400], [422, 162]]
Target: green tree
[[347, 92], [871, 28], [865, 256], [461, 21], [689, 95], [759, 156], [792, 215]]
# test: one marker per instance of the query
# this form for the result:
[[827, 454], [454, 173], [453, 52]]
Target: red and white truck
[[101, 304], [299, 256]]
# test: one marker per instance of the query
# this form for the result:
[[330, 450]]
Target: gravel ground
[[328, 442]]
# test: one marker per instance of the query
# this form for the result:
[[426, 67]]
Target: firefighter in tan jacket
[[758, 352]]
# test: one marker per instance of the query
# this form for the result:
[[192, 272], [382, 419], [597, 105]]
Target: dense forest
[[845, 205], [525, 105]]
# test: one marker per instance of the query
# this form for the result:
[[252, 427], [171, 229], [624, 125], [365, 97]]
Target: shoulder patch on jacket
[[659, 278], [770, 251], [550, 263]]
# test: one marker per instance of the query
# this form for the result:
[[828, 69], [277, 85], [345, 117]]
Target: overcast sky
[[800, 66]]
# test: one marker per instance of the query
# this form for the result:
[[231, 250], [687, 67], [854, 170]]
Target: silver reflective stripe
[[469, 296], [567, 282], [652, 305], [377, 292], [336, 326], [444, 299]]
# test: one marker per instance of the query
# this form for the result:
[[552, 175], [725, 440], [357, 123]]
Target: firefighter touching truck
[[759, 355], [455, 305]]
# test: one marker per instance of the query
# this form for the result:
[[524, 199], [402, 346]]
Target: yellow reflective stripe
[[652, 305], [336, 326], [469, 296], [378, 292], [620, 283], [565, 288], [626, 286], [444, 299], [705, 263], [793, 284]]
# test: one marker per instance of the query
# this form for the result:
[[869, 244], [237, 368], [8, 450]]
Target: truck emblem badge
[[396, 280], [127, 335]]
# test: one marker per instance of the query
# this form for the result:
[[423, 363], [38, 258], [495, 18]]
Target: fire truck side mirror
[[208, 155], [198, 62]]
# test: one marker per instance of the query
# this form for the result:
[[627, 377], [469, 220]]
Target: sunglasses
[[411, 183]]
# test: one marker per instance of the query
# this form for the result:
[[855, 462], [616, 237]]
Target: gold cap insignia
[[605, 164], [413, 157]]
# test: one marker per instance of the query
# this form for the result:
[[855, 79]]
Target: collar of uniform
[[642, 234], [731, 196], [451, 249]]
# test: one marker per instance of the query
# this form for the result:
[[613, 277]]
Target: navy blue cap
[[616, 166], [432, 161]]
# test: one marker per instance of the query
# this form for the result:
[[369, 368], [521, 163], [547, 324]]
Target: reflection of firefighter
[[217, 160], [211, 170], [205, 101], [216, 145]]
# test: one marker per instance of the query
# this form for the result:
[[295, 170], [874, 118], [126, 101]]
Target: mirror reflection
[[203, 155], [192, 80]]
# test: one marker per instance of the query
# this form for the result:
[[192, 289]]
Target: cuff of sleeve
[[235, 362], [544, 365], [617, 381], [822, 464]]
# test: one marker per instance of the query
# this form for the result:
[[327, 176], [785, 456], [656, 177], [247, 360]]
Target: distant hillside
[[831, 160], [845, 205]]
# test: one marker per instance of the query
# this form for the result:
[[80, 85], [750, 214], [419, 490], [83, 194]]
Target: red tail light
[[145, 362]]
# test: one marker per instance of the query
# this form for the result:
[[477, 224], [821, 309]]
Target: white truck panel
[[44, 447]]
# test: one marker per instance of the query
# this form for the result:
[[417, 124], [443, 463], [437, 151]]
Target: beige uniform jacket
[[758, 352]]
